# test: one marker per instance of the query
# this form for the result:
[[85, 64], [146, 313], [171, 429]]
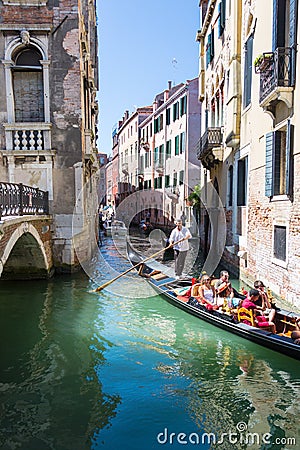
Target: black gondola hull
[[278, 343]]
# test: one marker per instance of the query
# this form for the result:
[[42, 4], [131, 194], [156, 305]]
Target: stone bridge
[[26, 247], [25, 232]]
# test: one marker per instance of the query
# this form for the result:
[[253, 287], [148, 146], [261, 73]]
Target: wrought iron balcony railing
[[211, 138], [278, 73], [19, 200]]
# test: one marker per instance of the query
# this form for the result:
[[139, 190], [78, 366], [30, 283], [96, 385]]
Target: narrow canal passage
[[124, 369]]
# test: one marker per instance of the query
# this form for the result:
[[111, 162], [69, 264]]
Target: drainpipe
[[233, 140]]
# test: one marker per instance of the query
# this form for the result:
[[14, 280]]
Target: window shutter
[[176, 145], [212, 45], [289, 158], [208, 51], [274, 31], [278, 38], [293, 39], [223, 13], [168, 115], [222, 17], [269, 164], [248, 71]]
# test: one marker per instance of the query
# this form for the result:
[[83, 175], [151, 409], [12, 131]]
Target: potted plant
[[262, 61]]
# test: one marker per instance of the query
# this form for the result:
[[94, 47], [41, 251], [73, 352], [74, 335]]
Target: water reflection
[[51, 397], [228, 381], [89, 371]]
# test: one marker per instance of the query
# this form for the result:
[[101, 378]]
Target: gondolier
[[181, 249]]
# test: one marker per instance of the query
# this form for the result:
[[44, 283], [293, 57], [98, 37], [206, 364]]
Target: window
[[168, 149], [279, 244], [147, 159], [158, 124], [222, 17], [167, 180], [168, 116], [175, 179], [183, 106], [181, 177], [158, 183], [279, 162], [176, 145], [182, 142], [27, 78], [210, 48], [175, 111], [248, 71], [156, 154], [242, 178]]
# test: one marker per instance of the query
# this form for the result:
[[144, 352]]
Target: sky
[[142, 45]]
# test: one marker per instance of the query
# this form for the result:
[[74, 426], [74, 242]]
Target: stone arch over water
[[24, 256]]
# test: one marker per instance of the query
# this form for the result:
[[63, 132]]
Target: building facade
[[248, 148], [168, 159], [48, 110]]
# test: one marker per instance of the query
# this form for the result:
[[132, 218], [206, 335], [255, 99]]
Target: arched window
[[27, 79]]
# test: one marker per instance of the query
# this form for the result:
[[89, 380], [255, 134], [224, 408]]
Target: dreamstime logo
[[85, 224], [240, 436]]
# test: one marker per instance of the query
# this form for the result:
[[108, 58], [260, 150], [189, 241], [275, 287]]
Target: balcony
[[277, 79], [209, 148], [173, 193], [125, 168], [159, 165], [28, 136]]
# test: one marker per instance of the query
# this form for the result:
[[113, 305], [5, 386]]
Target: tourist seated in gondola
[[296, 333], [224, 278], [204, 293], [225, 297], [250, 303], [264, 302]]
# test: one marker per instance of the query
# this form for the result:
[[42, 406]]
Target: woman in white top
[[205, 293]]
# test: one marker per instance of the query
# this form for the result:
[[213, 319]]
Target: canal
[[123, 369]]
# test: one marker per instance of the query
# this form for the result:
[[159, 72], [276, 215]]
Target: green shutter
[[176, 145], [208, 53], [289, 159], [168, 150], [269, 164]]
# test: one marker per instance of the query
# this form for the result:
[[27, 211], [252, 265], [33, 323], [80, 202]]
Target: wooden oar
[[99, 288]]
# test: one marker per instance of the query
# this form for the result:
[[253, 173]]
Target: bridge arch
[[24, 256]]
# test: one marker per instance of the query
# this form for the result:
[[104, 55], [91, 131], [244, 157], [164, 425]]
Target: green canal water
[[123, 369]]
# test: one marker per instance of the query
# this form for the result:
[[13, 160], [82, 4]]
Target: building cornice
[[209, 13], [27, 26]]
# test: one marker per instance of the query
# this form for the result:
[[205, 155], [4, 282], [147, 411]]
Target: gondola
[[167, 286]]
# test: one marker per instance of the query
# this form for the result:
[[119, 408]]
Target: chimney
[[169, 85], [126, 114], [154, 106], [166, 95]]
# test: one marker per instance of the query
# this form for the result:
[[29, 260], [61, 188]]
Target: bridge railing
[[19, 199]]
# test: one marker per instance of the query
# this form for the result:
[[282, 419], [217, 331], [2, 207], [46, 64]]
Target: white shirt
[[176, 235]]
